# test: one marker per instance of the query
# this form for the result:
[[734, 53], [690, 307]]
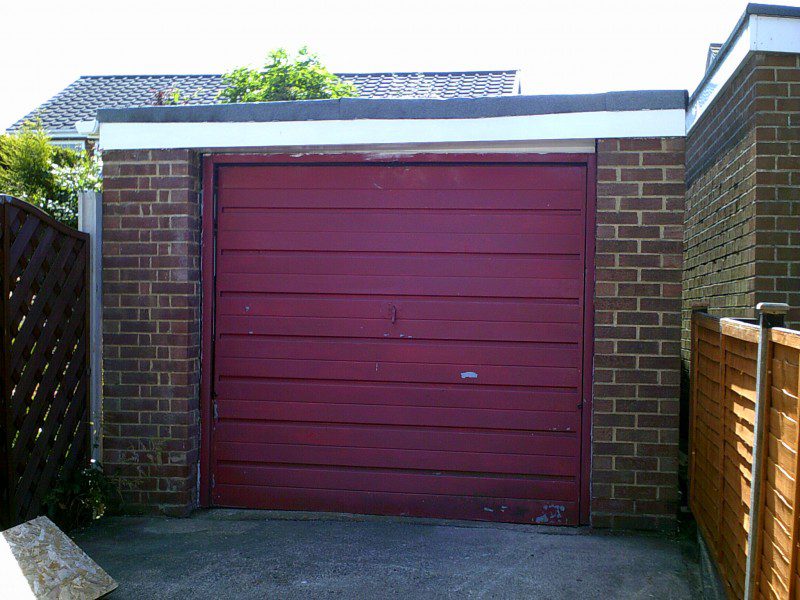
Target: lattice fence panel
[[45, 399]]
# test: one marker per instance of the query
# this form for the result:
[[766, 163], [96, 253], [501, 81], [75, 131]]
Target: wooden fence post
[[770, 314], [722, 341], [693, 360], [90, 220]]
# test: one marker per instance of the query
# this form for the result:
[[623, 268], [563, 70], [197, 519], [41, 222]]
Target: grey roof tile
[[81, 100]]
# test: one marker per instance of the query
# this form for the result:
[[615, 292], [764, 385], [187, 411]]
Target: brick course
[[151, 326], [640, 201]]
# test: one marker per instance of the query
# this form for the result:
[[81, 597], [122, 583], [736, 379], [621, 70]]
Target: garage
[[402, 337], [465, 308]]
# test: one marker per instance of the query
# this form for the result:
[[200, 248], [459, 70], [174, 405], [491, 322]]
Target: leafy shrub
[[82, 498], [48, 176], [285, 77]]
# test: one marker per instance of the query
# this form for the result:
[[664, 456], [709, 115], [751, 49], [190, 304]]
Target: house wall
[[742, 235], [640, 201], [152, 325]]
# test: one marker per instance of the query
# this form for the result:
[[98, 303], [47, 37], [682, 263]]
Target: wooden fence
[[43, 368], [727, 394]]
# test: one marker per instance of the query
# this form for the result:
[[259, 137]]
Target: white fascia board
[[372, 132], [774, 34], [759, 34]]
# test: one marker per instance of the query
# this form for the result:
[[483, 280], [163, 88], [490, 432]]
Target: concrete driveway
[[254, 554]]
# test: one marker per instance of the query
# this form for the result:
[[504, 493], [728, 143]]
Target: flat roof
[[345, 109]]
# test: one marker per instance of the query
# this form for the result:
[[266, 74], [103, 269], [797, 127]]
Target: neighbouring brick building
[[742, 235], [743, 193]]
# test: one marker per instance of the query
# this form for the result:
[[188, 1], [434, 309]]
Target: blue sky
[[564, 46]]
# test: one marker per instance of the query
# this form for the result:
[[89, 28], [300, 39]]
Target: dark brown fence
[[44, 403]]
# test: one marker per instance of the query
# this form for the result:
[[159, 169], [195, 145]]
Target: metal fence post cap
[[772, 308]]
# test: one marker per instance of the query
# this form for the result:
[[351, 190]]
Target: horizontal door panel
[[400, 222], [446, 308], [350, 370], [398, 415], [480, 508], [417, 265], [408, 242], [398, 394], [401, 285], [451, 177], [397, 482], [567, 333], [391, 458], [398, 351], [338, 199], [408, 438]]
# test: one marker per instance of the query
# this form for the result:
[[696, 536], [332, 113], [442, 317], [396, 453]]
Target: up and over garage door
[[400, 338]]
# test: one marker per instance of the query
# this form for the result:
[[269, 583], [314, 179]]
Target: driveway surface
[[256, 554]]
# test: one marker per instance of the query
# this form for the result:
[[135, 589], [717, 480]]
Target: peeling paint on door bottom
[[553, 515]]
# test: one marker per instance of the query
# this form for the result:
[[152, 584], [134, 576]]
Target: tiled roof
[[80, 100]]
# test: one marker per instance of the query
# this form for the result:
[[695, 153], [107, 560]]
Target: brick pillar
[[640, 200], [777, 181], [151, 326]]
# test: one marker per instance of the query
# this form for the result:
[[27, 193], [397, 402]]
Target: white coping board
[[537, 130], [759, 34]]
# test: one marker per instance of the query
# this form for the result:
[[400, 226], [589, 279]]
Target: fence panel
[[723, 398], [778, 558], [44, 322]]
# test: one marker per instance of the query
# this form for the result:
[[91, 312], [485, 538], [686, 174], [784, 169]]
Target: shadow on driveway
[[258, 554]]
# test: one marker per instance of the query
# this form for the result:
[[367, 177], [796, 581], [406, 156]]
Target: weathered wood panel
[[723, 396]]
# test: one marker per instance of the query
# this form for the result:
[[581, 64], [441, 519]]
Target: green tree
[[285, 77], [48, 176]]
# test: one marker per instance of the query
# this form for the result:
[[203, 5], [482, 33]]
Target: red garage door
[[400, 339]]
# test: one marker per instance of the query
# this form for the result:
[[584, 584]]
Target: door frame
[[210, 166]]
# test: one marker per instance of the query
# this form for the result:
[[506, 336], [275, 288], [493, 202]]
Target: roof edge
[[752, 9], [338, 73], [772, 10], [368, 108]]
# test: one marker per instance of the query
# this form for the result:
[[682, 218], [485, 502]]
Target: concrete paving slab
[[255, 554]]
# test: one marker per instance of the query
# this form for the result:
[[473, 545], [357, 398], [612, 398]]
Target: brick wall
[[742, 244], [640, 201], [720, 240], [151, 300], [777, 186]]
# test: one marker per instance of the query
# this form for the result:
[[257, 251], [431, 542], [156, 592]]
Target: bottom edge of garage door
[[472, 508]]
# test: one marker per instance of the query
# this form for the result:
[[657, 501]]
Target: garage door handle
[[394, 314]]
